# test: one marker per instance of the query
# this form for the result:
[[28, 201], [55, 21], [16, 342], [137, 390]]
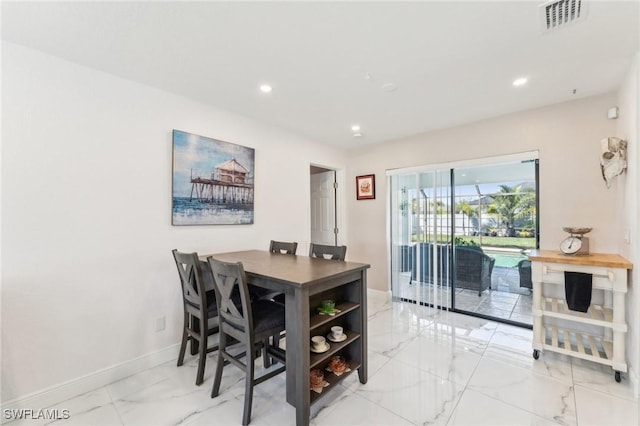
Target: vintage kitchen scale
[[576, 244]]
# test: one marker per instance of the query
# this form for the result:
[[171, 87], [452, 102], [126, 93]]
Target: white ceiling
[[453, 62]]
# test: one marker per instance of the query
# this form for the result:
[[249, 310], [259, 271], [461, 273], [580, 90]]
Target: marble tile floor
[[426, 366]]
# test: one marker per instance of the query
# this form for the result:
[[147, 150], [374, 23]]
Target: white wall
[[86, 214], [572, 191], [628, 214]]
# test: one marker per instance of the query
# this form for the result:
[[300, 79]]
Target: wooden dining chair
[[278, 247], [199, 306], [327, 252], [283, 247], [251, 324]]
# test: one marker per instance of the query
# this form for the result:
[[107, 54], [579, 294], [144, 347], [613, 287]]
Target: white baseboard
[[379, 295], [61, 392]]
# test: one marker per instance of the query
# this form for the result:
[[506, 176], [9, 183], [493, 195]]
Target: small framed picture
[[366, 187]]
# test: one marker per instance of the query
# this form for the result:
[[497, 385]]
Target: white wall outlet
[[160, 323], [627, 236]]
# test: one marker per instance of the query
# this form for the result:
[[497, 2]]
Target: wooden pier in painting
[[229, 183]]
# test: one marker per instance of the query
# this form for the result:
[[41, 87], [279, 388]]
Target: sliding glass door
[[459, 237], [421, 221]]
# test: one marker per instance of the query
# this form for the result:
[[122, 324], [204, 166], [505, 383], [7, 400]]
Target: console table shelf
[[317, 358], [333, 380], [318, 320], [597, 314], [579, 345], [350, 304]]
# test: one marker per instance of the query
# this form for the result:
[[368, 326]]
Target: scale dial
[[571, 245]]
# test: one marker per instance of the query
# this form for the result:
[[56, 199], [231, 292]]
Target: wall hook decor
[[613, 160]]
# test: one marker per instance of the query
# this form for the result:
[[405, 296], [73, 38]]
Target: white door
[[323, 208]]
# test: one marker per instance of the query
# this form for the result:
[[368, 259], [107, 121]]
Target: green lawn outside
[[507, 242]]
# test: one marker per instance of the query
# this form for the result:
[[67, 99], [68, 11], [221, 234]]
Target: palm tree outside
[[511, 203], [468, 211]]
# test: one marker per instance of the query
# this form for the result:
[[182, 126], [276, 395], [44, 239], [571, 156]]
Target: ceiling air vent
[[558, 13]]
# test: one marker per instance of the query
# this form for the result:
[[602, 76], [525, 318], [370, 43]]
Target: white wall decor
[[613, 160]]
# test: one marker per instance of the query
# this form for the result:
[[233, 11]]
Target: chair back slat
[[283, 247], [191, 278], [327, 252], [230, 279]]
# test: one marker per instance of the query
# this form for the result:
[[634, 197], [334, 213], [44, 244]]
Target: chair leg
[[266, 359], [195, 325], [222, 347], [248, 393], [203, 358], [185, 338]]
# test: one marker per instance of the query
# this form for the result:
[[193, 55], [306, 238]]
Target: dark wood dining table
[[306, 282]]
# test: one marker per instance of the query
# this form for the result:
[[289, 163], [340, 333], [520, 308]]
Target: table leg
[[298, 352], [362, 371]]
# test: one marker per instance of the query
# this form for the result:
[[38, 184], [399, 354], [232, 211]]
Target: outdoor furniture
[[473, 267], [425, 265], [524, 269], [405, 257]]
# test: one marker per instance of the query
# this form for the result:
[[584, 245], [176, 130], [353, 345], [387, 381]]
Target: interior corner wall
[[86, 214], [572, 191], [628, 208]]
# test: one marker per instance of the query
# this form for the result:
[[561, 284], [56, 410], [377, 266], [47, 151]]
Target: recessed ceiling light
[[519, 81], [265, 88], [355, 128], [357, 135]]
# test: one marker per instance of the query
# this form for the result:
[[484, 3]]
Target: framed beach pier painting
[[212, 181]]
